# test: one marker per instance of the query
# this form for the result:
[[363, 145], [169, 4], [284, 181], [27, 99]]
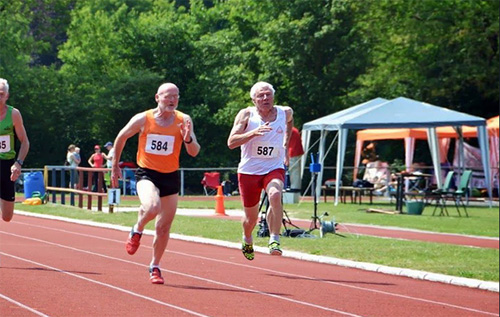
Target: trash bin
[[414, 207], [33, 182]]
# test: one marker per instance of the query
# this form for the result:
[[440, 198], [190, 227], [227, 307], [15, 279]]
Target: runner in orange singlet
[[162, 131]]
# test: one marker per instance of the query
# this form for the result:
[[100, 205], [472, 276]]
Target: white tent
[[397, 113]]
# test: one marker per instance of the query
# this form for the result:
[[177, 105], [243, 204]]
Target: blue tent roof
[[396, 113]]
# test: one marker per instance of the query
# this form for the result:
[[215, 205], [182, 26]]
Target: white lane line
[[104, 284], [36, 312], [172, 272], [282, 273]]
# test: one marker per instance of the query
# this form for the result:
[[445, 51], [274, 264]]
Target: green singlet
[[7, 151]]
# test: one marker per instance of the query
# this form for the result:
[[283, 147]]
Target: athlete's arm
[[17, 120], [238, 136], [133, 127], [288, 133], [188, 136]]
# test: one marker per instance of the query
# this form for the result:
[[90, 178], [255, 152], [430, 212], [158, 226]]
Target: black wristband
[[190, 141], [20, 162]]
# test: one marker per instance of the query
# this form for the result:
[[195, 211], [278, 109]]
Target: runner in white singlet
[[263, 132]]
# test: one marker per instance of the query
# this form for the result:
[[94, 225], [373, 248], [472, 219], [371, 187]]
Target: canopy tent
[[397, 113], [493, 130], [410, 135]]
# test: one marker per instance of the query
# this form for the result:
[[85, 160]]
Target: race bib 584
[[160, 144]]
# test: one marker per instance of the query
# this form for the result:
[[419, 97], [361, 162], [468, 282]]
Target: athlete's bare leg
[[149, 197], [7, 208], [163, 223], [275, 214], [249, 221]]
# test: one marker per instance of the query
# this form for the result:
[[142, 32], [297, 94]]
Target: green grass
[[447, 259]]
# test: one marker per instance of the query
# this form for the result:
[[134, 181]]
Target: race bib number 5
[[160, 144], [4, 143], [264, 150]]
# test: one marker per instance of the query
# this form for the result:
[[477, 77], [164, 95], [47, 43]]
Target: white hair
[[5, 84], [258, 85]]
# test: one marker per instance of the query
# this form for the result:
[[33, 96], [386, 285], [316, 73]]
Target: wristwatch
[[20, 162]]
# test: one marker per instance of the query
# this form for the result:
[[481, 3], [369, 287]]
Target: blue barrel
[[33, 182]]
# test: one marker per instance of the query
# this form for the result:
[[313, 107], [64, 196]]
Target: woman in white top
[[73, 161]]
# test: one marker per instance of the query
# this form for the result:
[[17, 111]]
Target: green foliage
[[441, 52]]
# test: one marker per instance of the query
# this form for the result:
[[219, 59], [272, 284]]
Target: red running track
[[55, 268]]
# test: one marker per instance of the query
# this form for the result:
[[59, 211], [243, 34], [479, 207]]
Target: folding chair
[[210, 182], [440, 194], [462, 192]]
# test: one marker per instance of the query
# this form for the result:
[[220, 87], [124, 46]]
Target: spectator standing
[[73, 160], [96, 160], [295, 152], [77, 155], [109, 156], [11, 124]]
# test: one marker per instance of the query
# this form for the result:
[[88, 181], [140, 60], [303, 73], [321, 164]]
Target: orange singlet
[[159, 147]]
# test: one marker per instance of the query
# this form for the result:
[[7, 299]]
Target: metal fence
[[191, 178]]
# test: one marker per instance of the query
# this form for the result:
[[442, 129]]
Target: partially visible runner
[[162, 131], [263, 132], [10, 168]]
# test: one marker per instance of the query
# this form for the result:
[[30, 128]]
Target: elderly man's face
[[263, 98], [4, 95], [168, 97]]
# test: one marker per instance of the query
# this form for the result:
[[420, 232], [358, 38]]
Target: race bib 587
[[4, 143], [264, 150], [160, 144]]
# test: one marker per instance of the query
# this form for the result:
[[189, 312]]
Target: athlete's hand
[[14, 172], [263, 129], [116, 173], [287, 160], [186, 130]]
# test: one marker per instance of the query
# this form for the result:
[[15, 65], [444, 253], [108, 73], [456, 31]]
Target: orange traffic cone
[[219, 202]]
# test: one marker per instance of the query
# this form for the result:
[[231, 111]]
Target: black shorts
[[7, 187], [167, 183]]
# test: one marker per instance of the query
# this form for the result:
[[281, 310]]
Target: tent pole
[[436, 161], [482, 135], [340, 162]]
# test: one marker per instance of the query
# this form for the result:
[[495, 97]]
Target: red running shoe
[[155, 276], [133, 242]]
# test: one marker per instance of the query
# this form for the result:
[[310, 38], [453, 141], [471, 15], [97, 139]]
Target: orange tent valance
[[417, 133]]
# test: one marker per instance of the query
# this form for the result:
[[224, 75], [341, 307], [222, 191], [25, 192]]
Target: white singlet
[[264, 153]]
